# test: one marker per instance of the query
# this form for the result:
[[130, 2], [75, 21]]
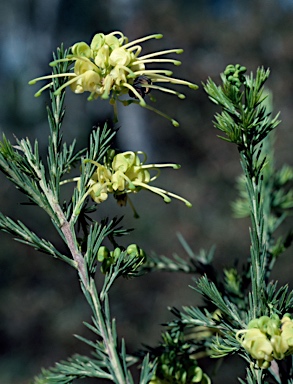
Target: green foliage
[[175, 363], [232, 300], [242, 297], [41, 183], [244, 118]]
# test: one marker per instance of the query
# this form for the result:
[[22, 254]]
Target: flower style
[[268, 338], [111, 67], [126, 173]]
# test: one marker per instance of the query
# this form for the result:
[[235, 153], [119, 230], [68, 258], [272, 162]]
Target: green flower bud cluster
[[194, 375], [268, 338], [235, 74], [175, 366], [133, 258], [110, 66], [126, 173]]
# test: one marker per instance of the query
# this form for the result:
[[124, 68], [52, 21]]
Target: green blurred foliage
[[41, 304]]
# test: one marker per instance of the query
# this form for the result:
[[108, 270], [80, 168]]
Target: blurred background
[[41, 305]]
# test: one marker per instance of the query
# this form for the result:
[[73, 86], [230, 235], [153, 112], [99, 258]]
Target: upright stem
[[258, 237], [66, 229], [106, 333]]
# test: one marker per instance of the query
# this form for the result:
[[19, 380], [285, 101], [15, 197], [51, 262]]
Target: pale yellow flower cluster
[[268, 338], [127, 173], [111, 67]]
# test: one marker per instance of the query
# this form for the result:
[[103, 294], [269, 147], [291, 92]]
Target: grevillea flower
[[111, 67], [126, 173], [268, 338], [256, 343]]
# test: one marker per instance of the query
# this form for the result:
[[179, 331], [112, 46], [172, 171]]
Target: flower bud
[[133, 248], [116, 253], [103, 253]]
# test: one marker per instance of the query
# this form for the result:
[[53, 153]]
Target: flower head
[[267, 338], [257, 345], [111, 67], [125, 173]]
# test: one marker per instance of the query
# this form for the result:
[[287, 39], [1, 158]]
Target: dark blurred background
[[41, 305]]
